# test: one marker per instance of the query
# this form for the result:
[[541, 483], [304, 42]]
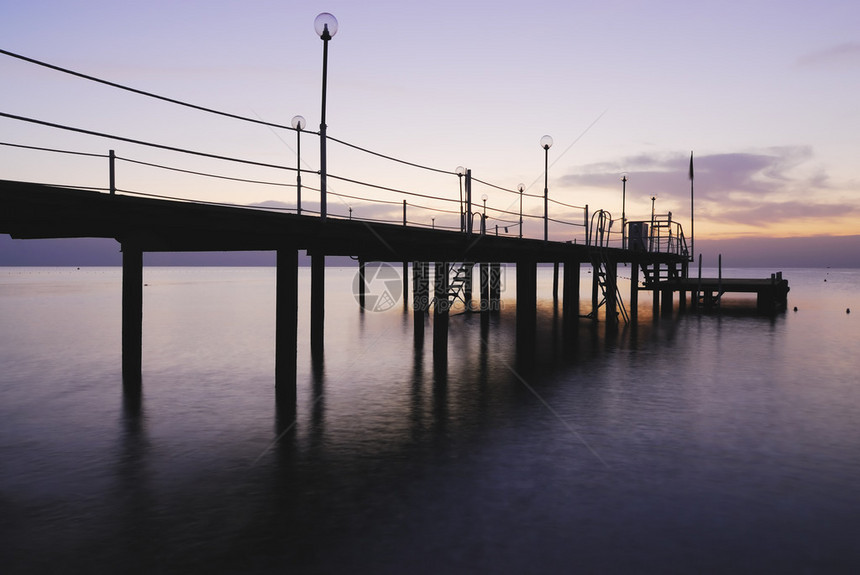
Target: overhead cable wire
[[565, 223], [566, 205], [143, 143], [143, 92], [42, 149], [209, 110], [474, 179], [378, 187], [205, 174], [393, 159]]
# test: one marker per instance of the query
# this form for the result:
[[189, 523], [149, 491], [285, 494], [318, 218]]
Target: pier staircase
[[608, 285], [601, 224], [457, 283]]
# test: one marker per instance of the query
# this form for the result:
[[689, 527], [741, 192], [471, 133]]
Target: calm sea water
[[714, 443]]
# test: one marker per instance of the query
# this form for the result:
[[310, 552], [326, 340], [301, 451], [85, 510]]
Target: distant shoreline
[[778, 253]]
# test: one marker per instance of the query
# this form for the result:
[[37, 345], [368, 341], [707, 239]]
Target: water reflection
[[400, 463]]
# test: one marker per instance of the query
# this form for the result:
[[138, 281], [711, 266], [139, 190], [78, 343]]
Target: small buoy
[[795, 308], [848, 310], [825, 279]]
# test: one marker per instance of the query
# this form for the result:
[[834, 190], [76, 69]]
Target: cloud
[[839, 55], [759, 188]]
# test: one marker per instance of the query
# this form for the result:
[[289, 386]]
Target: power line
[[144, 93], [42, 149], [474, 179], [205, 174], [143, 143], [566, 205], [378, 187], [393, 159]]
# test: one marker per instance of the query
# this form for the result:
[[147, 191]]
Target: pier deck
[[140, 224], [32, 210], [771, 293]]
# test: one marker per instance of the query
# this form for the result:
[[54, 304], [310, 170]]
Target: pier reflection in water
[[697, 443]]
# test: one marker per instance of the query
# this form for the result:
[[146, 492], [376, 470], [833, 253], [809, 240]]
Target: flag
[[691, 166]]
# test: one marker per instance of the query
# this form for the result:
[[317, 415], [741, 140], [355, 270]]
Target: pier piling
[[570, 292], [420, 298], [317, 304], [526, 308], [286, 321], [634, 293], [440, 312], [132, 315]]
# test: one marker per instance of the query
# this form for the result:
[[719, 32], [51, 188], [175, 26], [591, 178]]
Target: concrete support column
[[486, 306], [656, 293], [634, 293], [286, 322], [595, 290], [405, 286], [467, 286], [317, 304], [440, 312], [362, 286], [526, 309], [570, 292], [611, 292], [666, 304], [421, 297], [495, 287], [132, 316]]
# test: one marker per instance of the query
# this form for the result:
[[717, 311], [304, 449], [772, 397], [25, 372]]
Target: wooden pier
[[771, 293], [31, 210]]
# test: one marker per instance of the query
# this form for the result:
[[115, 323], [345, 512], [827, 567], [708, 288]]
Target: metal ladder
[[457, 283], [608, 284]]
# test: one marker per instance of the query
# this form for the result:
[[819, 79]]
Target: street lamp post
[[623, 213], [546, 143], [326, 27], [298, 123], [461, 171], [521, 188]]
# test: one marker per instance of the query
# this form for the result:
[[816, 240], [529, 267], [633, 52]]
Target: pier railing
[[427, 201], [660, 234]]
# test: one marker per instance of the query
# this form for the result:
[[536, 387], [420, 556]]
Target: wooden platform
[[771, 293]]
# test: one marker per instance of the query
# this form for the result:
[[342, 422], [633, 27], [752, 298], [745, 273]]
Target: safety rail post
[[587, 241], [469, 201], [404, 212], [669, 227], [112, 171]]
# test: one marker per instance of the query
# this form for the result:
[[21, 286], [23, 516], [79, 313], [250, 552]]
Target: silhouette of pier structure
[[655, 249], [31, 210]]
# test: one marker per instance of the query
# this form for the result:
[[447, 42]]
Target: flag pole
[[692, 213]]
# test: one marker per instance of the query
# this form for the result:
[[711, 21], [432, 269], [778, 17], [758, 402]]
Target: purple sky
[[764, 94]]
